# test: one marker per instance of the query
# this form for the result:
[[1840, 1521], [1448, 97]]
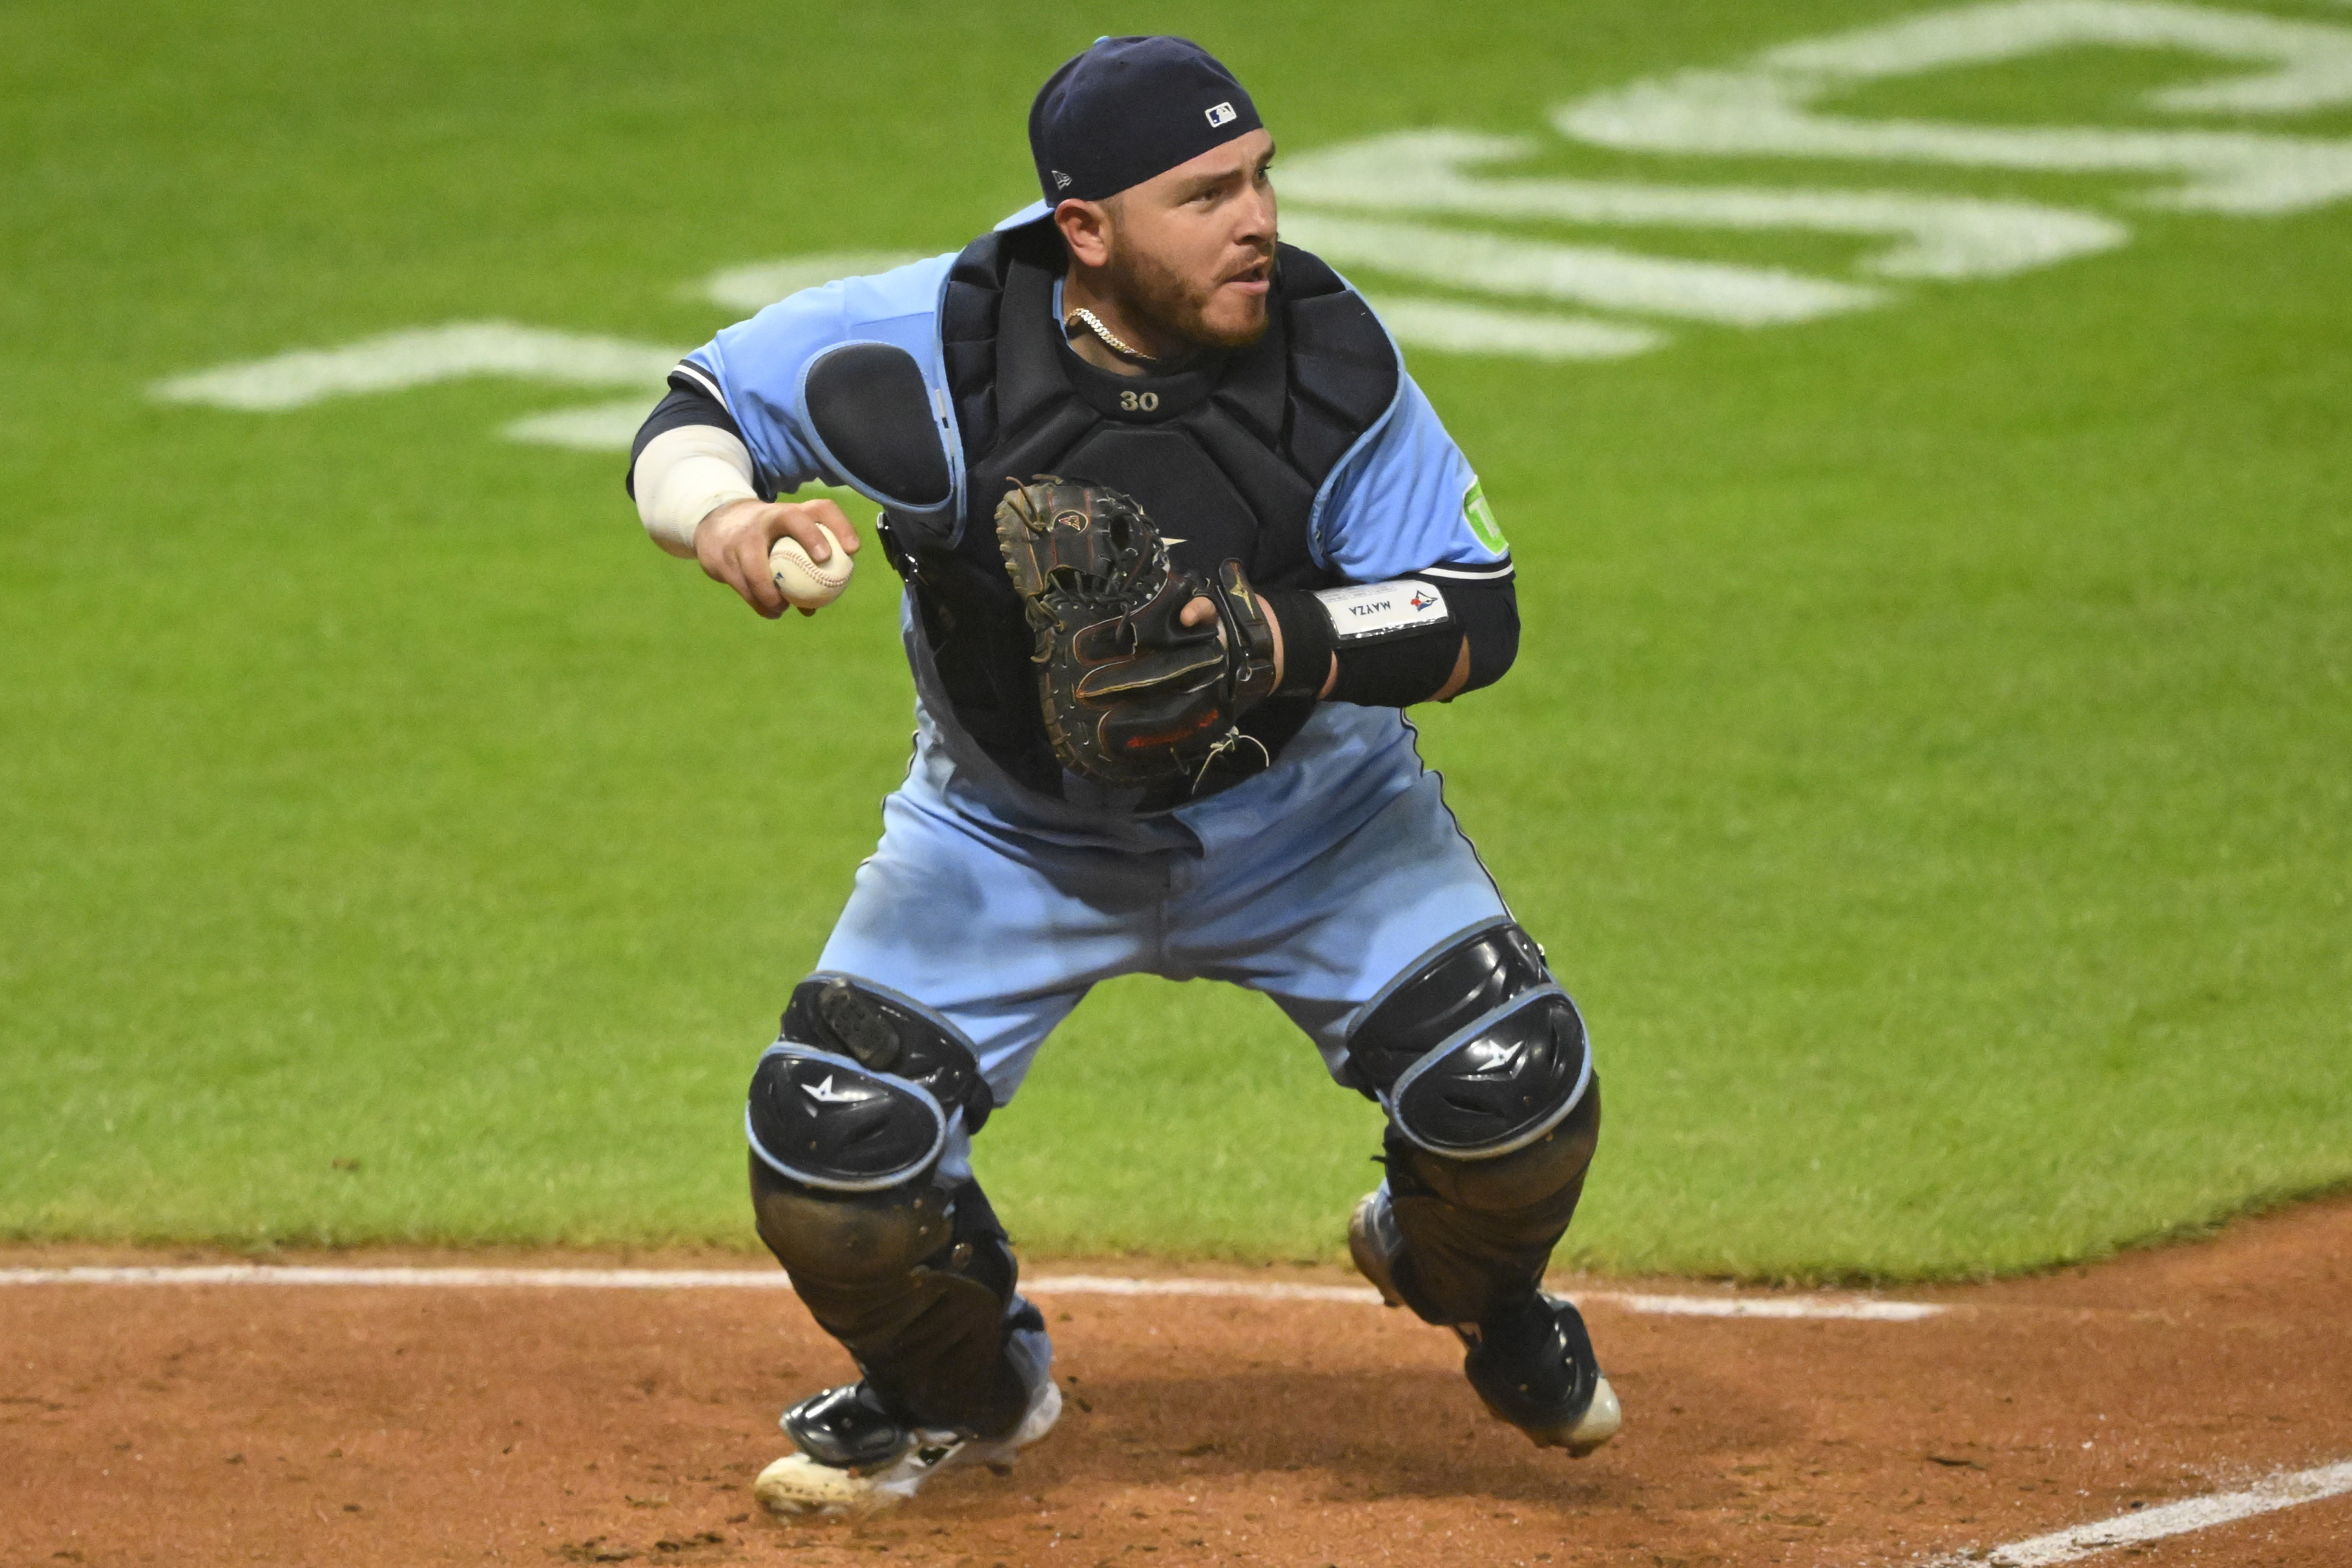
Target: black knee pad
[[1477, 1054], [858, 1093], [849, 1113]]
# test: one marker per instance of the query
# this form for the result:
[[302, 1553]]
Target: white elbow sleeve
[[683, 475]]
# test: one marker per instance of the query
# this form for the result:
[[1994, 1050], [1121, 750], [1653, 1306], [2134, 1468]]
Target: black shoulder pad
[[1305, 275], [1345, 370], [969, 315], [869, 406]]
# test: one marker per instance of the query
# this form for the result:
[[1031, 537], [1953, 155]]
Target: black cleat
[[847, 1427], [1532, 1365]]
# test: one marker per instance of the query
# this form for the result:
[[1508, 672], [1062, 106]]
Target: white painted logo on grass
[[1408, 208], [399, 360], [1578, 274], [759, 284], [1769, 108], [1431, 172], [597, 427]]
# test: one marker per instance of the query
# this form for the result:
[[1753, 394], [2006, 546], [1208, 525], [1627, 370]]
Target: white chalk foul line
[[398, 1277], [1849, 1308], [2265, 1495], [1245, 1290], [1858, 1309]]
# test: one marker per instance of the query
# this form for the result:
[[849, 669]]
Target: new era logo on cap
[[1223, 114], [1061, 181]]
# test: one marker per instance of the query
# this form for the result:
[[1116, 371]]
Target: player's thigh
[[997, 936], [1339, 925]]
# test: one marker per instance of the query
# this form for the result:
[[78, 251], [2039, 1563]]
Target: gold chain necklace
[[1082, 317]]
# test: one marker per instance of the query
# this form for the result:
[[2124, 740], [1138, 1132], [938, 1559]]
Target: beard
[[1171, 306]]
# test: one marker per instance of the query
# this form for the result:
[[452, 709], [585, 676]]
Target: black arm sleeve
[[1489, 616], [687, 404], [1400, 671]]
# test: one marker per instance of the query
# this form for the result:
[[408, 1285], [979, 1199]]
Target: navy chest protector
[[1225, 461]]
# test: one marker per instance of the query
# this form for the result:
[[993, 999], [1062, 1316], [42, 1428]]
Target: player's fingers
[[805, 524], [795, 524], [1198, 613], [837, 522], [750, 573]]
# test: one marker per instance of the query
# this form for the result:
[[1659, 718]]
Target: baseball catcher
[[1180, 539]]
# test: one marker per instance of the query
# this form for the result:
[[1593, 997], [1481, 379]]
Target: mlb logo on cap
[[1223, 114]]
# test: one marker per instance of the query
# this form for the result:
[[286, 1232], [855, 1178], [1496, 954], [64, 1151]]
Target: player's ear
[[874, 416], [1085, 230]]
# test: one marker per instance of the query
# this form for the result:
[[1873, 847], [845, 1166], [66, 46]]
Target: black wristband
[[1306, 641], [1400, 671]]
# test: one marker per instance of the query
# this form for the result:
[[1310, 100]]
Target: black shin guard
[[1481, 1060], [1477, 1233], [916, 1283]]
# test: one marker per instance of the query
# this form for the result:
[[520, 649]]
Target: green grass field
[[1929, 762]]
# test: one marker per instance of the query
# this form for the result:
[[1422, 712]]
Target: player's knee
[[1481, 1059], [889, 1035], [848, 1115]]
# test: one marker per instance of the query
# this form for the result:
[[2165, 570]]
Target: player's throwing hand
[[732, 544]]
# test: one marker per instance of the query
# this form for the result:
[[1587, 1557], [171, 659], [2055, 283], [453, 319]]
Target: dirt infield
[[348, 1426]]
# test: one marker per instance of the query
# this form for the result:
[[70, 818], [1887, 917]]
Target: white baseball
[[803, 583]]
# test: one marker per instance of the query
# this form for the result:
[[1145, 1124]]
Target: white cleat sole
[[797, 1488]]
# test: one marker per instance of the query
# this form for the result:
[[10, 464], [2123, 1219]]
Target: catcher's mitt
[[1132, 698]]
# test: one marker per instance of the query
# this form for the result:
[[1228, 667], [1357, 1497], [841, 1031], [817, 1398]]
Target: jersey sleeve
[[1408, 501], [758, 368]]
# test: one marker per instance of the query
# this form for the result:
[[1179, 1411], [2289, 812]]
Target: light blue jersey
[[1402, 499], [995, 908]]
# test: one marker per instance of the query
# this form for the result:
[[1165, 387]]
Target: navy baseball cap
[[1129, 109]]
